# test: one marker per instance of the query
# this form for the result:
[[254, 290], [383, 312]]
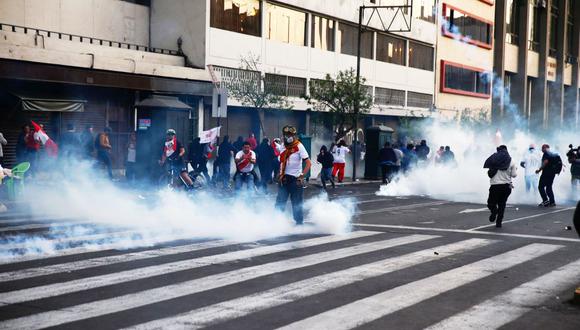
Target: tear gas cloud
[[467, 181], [97, 213]]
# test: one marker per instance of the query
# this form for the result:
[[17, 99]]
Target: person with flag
[[292, 173], [40, 136], [173, 152]]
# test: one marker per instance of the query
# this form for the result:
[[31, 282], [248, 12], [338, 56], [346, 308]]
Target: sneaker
[[544, 204], [492, 217], [551, 205], [498, 225]]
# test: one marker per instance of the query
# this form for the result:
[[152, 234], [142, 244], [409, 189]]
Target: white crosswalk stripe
[[507, 307], [142, 298], [235, 264], [280, 295], [87, 283], [371, 308], [107, 261]]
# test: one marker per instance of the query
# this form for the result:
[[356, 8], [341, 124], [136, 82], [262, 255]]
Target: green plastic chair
[[15, 183]]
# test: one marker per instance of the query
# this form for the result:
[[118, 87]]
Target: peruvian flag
[[50, 146]]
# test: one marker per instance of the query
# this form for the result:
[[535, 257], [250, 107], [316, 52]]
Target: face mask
[[288, 139]]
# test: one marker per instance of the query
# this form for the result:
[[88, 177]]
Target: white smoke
[[129, 218], [467, 181]]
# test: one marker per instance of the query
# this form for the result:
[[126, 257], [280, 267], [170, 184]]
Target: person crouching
[[291, 174], [245, 161], [501, 171]]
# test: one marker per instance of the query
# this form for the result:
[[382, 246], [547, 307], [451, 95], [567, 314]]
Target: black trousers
[[545, 187], [388, 171], [497, 200]]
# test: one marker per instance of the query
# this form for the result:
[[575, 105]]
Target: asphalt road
[[410, 263]]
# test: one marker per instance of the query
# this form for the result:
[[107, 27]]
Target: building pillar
[[519, 81], [498, 97], [556, 92], [539, 103], [571, 97]]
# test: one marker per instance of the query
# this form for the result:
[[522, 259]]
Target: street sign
[[219, 104]]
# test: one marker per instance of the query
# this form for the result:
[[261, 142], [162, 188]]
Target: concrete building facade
[[300, 41], [465, 49], [96, 55], [536, 61]]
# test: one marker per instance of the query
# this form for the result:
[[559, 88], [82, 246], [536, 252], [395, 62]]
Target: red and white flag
[[50, 146], [209, 136]]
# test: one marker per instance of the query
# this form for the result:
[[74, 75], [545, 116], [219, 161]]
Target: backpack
[[556, 163]]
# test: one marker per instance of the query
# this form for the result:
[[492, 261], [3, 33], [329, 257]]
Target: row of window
[[513, 19], [466, 27], [455, 79], [464, 80], [296, 87], [290, 26]]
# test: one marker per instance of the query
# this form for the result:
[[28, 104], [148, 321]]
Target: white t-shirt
[[400, 156], [340, 154], [532, 161], [250, 166], [294, 162]]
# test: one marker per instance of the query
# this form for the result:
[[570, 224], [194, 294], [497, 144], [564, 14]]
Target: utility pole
[[386, 27], [357, 93]]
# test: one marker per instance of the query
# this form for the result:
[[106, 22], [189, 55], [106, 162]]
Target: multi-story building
[[298, 42], [537, 50], [66, 62], [464, 58]]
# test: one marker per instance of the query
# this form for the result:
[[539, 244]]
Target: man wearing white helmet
[[173, 152]]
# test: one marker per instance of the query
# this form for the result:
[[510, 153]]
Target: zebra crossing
[[362, 278]]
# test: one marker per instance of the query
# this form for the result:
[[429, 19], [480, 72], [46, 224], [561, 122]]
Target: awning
[[53, 105], [163, 101]]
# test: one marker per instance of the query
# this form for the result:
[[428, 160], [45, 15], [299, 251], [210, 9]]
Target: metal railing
[[83, 39]]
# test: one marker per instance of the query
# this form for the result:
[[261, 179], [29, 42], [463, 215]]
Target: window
[[242, 16], [387, 96], [348, 35], [459, 79], [467, 27], [419, 100], [323, 30], [285, 85], [534, 27], [420, 56], [426, 10], [238, 77], [554, 16], [512, 22], [391, 50], [285, 25], [570, 30]]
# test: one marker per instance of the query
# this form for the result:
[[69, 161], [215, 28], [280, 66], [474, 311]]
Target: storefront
[[58, 96]]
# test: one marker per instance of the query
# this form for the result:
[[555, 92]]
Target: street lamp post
[[407, 28]]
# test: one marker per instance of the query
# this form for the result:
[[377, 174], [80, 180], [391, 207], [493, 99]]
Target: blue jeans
[[531, 182], [326, 175], [247, 178], [290, 187], [105, 158]]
